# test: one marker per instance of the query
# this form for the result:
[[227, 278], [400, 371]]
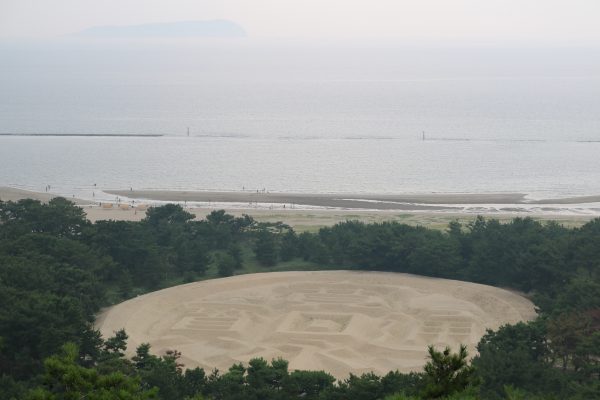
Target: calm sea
[[300, 118]]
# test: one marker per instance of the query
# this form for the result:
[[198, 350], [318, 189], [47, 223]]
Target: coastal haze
[[226, 98], [269, 199], [304, 117]]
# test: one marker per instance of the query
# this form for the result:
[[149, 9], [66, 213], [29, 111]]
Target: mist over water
[[301, 117]]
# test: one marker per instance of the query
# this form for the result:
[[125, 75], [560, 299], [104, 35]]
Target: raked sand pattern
[[337, 321]]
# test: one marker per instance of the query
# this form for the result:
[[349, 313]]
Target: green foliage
[[226, 265], [116, 345], [265, 248], [167, 214], [57, 270], [64, 379], [164, 373], [235, 251], [136, 249], [513, 393], [447, 373], [10, 389], [399, 396], [288, 248], [223, 229], [310, 248], [59, 218], [308, 384], [516, 355], [367, 386], [578, 295]]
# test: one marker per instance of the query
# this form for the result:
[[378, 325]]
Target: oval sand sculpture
[[337, 321]]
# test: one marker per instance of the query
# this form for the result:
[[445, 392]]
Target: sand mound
[[338, 321]]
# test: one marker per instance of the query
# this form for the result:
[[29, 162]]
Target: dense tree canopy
[[57, 270]]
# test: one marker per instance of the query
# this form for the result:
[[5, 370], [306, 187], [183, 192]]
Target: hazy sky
[[562, 22]]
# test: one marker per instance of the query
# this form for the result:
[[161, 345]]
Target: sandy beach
[[337, 321], [309, 212], [421, 202], [301, 219], [14, 194], [416, 202], [312, 220]]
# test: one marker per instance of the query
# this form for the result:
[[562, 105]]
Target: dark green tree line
[[57, 270]]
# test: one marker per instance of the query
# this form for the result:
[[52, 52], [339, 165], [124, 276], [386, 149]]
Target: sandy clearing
[[338, 321], [312, 220]]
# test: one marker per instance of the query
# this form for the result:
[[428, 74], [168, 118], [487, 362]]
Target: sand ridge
[[337, 321]]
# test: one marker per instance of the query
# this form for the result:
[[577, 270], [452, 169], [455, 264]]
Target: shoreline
[[416, 202], [399, 202], [14, 194], [305, 218]]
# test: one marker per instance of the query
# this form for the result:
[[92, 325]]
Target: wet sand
[[412, 202], [302, 219], [416, 202]]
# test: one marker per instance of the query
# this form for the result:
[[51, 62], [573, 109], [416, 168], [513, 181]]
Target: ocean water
[[335, 118]]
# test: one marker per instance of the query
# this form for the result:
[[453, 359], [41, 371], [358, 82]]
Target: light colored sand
[[312, 220], [338, 321], [299, 219], [13, 194], [95, 213]]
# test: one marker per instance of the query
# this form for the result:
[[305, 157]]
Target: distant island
[[212, 28]]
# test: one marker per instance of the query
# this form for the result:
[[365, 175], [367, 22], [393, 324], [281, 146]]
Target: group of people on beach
[[263, 190]]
